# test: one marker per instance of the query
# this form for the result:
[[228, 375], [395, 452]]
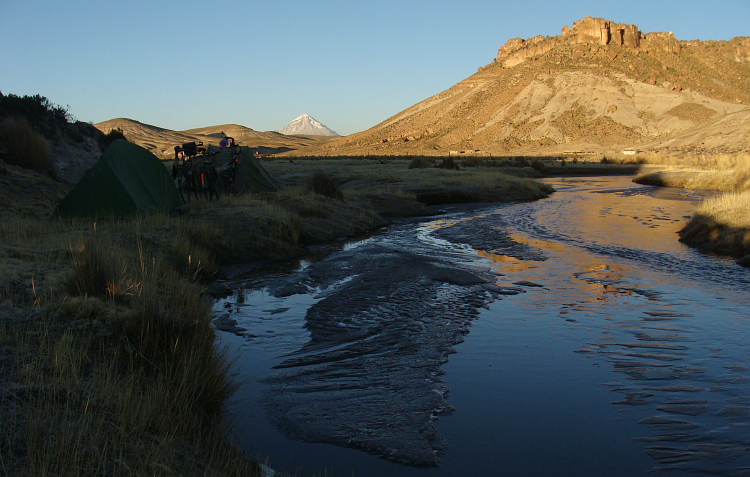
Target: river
[[569, 336]]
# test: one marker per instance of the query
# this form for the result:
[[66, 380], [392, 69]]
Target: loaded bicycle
[[232, 177], [194, 171]]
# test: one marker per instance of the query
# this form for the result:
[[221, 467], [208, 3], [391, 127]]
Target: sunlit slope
[[161, 142], [598, 86]]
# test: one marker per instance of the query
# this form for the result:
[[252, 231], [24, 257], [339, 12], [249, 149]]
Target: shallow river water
[[569, 336]]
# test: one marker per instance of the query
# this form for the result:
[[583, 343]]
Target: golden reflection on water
[[504, 264]]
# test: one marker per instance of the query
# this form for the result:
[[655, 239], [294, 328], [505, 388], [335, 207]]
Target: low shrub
[[110, 137], [539, 166], [472, 161], [322, 183], [420, 162], [24, 146], [448, 163]]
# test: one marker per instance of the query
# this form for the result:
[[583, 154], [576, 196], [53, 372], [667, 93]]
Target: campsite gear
[[194, 172], [126, 180], [250, 175]]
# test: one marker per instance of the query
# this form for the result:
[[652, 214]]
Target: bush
[[448, 163], [24, 146], [323, 184], [539, 166], [45, 116], [420, 162], [472, 161], [35, 108], [110, 137]]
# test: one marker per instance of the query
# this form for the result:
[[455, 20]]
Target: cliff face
[[598, 86], [595, 31]]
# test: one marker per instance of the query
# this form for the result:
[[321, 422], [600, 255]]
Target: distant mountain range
[[307, 125], [598, 86], [161, 142]]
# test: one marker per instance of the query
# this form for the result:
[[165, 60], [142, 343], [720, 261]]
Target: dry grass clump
[[472, 161], [732, 209], [324, 184], [722, 225], [421, 162], [448, 163], [96, 275], [722, 172], [24, 146], [118, 372]]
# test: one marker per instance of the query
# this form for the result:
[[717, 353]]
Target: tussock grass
[[421, 162], [118, 372], [473, 161], [723, 172], [324, 184], [732, 209], [448, 163], [25, 146], [722, 225]]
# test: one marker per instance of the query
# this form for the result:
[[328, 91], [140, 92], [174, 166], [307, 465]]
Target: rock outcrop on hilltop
[[587, 30], [598, 86]]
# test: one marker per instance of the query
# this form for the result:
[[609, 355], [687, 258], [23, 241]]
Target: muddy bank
[[369, 377]]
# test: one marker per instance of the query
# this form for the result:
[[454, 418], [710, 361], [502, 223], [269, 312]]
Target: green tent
[[126, 180], [251, 177]]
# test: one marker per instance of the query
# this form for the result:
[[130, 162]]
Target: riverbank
[[108, 363], [720, 225]]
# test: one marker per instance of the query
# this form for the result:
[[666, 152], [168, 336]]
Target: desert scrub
[[722, 225], [24, 146]]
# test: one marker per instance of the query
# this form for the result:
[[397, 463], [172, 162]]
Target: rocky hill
[[308, 125], [161, 142], [598, 86]]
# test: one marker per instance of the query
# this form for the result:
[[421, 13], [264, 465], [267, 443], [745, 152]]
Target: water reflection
[[369, 375], [616, 351]]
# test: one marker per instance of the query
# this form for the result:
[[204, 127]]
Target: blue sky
[[188, 64]]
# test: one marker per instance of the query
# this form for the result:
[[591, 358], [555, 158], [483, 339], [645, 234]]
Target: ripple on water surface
[[614, 351]]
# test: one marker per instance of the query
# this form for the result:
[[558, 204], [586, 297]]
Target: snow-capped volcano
[[307, 125]]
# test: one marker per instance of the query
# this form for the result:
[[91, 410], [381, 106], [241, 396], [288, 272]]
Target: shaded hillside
[[598, 86], [71, 146], [161, 142]]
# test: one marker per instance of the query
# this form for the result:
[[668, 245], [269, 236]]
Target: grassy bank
[[721, 225], [108, 359], [728, 173]]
